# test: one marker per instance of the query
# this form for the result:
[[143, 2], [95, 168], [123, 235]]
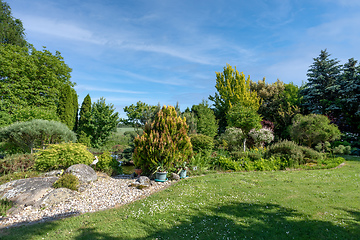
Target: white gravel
[[103, 194]]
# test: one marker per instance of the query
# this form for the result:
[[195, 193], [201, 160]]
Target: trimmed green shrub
[[67, 181], [202, 143], [310, 154], [341, 149], [293, 154], [16, 163], [36, 133], [164, 143], [288, 151], [312, 129], [108, 164], [62, 156], [233, 139]]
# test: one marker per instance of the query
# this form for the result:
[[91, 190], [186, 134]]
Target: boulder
[[57, 195], [142, 182], [54, 173], [27, 191], [175, 176], [83, 172]]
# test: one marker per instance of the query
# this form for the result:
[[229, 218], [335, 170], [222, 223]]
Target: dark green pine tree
[[76, 110], [349, 90], [11, 29], [319, 93], [85, 117], [206, 121], [66, 107]]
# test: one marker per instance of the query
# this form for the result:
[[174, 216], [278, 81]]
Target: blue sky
[[165, 51]]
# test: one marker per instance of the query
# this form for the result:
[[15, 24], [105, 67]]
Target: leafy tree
[[206, 121], [36, 133], [24, 114], [318, 93], [11, 29], [140, 114], [313, 129], [232, 89], [31, 78], [104, 120], [280, 103], [245, 118], [85, 117], [165, 142]]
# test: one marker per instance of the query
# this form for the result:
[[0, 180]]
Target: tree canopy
[[104, 120], [31, 78], [318, 93], [205, 119], [233, 88], [11, 29]]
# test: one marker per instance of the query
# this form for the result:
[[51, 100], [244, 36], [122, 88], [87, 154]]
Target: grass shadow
[[256, 221]]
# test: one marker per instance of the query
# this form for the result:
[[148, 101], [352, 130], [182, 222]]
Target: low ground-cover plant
[[67, 180], [16, 163], [62, 156], [5, 205]]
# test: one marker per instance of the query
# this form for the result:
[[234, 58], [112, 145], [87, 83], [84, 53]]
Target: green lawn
[[125, 129], [314, 204]]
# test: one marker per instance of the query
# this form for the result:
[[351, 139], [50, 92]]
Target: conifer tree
[[85, 117], [68, 107], [319, 93], [164, 143]]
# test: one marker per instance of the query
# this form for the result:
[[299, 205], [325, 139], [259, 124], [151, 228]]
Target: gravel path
[[105, 193]]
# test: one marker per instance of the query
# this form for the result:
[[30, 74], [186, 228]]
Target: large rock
[[55, 196], [83, 172], [175, 176], [27, 191], [142, 182]]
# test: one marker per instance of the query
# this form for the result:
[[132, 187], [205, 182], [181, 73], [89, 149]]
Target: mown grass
[[313, 204]]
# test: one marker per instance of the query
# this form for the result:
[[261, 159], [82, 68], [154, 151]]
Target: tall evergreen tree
[[85, 117], [65, 108], [206, 121], [75, 105], [349, 90], [319, 93], [11, 29]]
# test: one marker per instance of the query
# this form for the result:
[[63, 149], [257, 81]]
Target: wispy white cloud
[[82, 87], [60, 29]]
